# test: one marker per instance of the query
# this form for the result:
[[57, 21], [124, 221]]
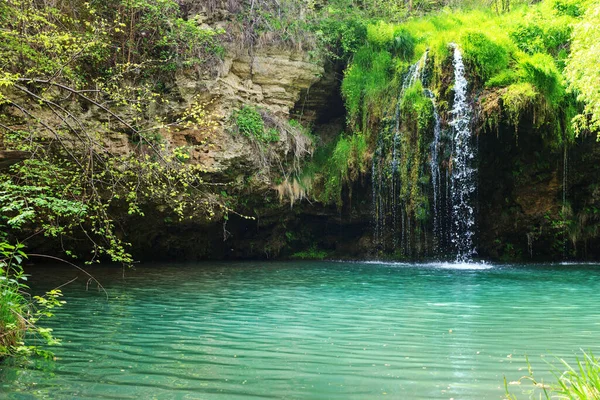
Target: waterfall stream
[[463, 180], [435, 172]]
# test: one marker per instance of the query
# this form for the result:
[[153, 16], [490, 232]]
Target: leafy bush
[[381, 34], [343, 38], [392, 38], [250, 123], [572, 8], [18, 312], [541, 35]]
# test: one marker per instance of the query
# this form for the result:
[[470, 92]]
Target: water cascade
[[416, 211], [435, 173], [463, 178], [386, 178]]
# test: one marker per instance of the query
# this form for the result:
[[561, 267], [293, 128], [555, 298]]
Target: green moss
[[517, 99]]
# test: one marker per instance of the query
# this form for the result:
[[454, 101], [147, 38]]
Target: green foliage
[[341, 38], [502, 79], [541, 35], [76, 40], [19, 313], [392, 38], [404, 44], [366, 79], [249, 122], [381, 34], [540, 70], [518, 99], [485, 56], [582, 70], [336, 165], [417, 107], [572, 8]]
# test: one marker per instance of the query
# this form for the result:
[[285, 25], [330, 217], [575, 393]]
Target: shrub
[[19, 312], [541, 36], [249, 122], [341, 39], [571, 8]]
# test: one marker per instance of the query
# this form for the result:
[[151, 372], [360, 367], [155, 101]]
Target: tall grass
[[573, 382], [582, 381]]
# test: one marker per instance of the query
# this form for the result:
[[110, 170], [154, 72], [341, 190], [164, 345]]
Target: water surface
[[309, 330]]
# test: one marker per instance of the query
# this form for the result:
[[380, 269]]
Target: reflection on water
[[310, 330]]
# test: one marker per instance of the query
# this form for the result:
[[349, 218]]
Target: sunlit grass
[[578, 382]]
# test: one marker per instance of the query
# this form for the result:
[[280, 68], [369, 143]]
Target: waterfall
[[452, 211], [378, 214], [385, 190], [415, 72], [435, 171], [463, 179], [564, 197]]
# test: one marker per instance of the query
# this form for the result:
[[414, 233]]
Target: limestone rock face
[[271, 79]]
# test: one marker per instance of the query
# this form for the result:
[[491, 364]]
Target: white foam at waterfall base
[[433, 265], [463, 182]]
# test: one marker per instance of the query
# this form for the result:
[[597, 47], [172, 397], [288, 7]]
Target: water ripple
[[311, 331]]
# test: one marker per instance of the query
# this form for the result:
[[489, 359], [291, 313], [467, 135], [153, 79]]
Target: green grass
[[573, 382], [525, 48]]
